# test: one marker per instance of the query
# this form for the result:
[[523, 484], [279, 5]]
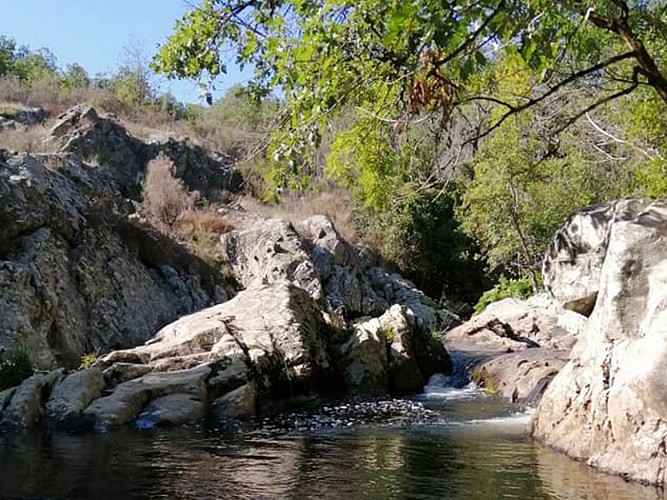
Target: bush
[[505, 288], [88, 360], [15, 367], [164, 196]]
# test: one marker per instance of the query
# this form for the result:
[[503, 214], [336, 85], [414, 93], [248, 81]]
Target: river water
[[444, 444]]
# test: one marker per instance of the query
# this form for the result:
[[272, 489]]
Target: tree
[[397, 60]]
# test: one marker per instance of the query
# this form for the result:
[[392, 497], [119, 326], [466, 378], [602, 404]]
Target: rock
[[607, 405], [269, 251], [72, 394], [73, 280], [104, 141], [363, 358], [391, 353], [5, 398], [521, 377], [174, 409], [273, 336], [24, 409], [128, 399], [573, 260], [22, 115], [511, 325], [239, 403]]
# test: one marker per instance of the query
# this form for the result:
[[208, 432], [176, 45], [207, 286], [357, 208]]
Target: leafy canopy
[[395, 59]]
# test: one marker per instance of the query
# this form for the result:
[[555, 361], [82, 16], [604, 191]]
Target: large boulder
[[607, 405], [23, 408], [390, 352], [268, 251], [515, 325], [573, 261], [73, 393], [268, 343]]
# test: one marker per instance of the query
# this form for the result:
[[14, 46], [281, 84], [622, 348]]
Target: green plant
[[15, 367], [505, 288], [88, 360], [387, 332]]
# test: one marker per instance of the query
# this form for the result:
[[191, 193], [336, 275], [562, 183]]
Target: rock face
[[519, 346], [75, 279], [607, 405], [103, 140], [573, 261]]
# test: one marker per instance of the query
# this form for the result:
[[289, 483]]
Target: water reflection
[[471, 452]]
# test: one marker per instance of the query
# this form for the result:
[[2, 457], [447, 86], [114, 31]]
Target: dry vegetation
[[335, 203], [178, 213], [27, 140]]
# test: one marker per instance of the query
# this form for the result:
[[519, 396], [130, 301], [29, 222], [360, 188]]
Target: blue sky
[[95, 33]]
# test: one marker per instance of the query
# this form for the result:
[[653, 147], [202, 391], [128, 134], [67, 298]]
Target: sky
[[97, 33]]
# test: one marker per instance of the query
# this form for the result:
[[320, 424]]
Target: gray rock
[[363, 358], [573, 260], [521, 377], [128, 399], [24, 409], [72, 394], [391, 353], [72, 282], [269, 251], [607, 405], [173, 409], [513, 325], [239, 403]]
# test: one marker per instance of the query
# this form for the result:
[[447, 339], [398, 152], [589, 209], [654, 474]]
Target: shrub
[[164, 196], [15, 367], [88, 360], [387, 332], [505, 288]]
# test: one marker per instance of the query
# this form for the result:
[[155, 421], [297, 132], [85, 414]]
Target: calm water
[[447, 444]]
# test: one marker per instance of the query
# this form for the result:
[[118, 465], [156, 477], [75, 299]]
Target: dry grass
[[164, 196], [335, 203], [27, 140]]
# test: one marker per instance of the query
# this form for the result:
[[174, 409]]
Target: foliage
[[505, 288], [386, 332], [15, 367], [88, 360], [395, 61]]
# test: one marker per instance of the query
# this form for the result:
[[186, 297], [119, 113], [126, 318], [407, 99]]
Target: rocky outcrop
[[573, 261], [104, 141], [19, 117], [517, 347], [79, 273], [607, 405], [75, 277]]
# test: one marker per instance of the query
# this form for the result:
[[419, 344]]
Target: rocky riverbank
[[289, 312]]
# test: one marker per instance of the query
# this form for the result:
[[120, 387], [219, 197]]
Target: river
[[448, 443]]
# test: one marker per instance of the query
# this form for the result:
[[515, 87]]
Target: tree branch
[[512, 110]]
